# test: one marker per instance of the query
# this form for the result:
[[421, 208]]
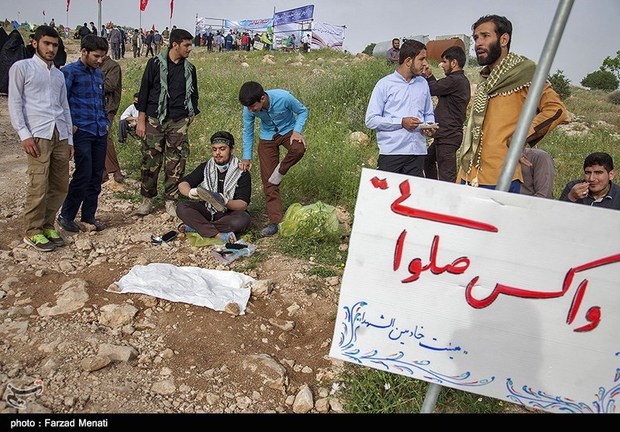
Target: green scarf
[[162, 106], [512, 74]]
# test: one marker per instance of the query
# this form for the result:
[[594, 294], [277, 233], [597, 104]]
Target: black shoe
[[99, 226], [68, 225]]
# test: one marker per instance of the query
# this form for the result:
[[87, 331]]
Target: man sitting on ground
[[221, 192], [128, 121], [596, 189]]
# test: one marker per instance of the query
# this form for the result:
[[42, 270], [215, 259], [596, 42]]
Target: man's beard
[[495, 52], [43, 54]]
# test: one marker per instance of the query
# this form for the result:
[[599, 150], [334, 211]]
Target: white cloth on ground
[[194, 285]]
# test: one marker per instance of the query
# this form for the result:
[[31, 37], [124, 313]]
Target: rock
[[304, 401], [94, 363], [147, 300], [117, 352], [167, 353], [292, 309], [332, 280], [71, 297], [50, 346], [212, 399], [261, 288], [66, 266], [272, 372], [322, 405], [9, 282], [306, 370], [2, 294], [336, 405], [34, 408], [290, 400], [84, 244], [165, 387], [21, 254], [39, 273], [359, 138], [115, 316], [245, 65], [282, 324], [232, 308]]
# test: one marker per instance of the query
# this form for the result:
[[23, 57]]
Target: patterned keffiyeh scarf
[[162, 106], [512, 74], [230, 180]]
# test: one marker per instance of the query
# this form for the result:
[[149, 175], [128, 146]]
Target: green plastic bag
[[313, 221]]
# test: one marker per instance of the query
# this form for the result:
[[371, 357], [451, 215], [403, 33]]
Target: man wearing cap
[[219, 192]]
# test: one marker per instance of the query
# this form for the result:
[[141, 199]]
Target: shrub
[[614, 97], [560, 84], [369, 49], [600, 80]]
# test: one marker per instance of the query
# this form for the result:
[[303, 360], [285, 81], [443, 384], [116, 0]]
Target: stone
[[116, 316], [304, 400], [71, 297], [336, 405], [8, 283], [94, 363], [165, 387], [261, 288], [359, 138], [117, 352], [273, 373], [232, 308], [282, 324], [322, 405], [292, 309]]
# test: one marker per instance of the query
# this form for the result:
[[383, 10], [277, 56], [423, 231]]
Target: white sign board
[[489, 292]]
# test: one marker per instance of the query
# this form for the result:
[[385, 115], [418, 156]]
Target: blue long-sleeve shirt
[[392, 99], [285, 113], [86, 97]]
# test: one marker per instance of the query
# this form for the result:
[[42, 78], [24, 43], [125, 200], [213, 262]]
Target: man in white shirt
[[40, 114], [401, 111], [305, 41], [128, 121]]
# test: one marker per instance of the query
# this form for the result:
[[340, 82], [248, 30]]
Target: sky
[[591, 34]]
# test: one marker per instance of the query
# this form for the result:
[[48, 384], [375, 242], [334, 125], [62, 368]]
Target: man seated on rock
[[128, 121], [220, 194]]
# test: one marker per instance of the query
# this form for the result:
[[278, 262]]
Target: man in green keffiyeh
[[497, 104], [167, 104]]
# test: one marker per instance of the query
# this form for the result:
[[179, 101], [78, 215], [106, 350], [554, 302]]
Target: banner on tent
[[304, 13], [484, 291], [327, 36]]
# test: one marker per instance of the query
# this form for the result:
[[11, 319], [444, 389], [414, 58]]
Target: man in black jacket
[[167, 104], [453, 93]]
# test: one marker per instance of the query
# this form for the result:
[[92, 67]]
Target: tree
[[560, 84], [612, 64], [368, 50], [601, 80]]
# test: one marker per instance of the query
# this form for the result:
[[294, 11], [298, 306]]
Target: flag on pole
[[143, 4], [68, 1], [171, 8]]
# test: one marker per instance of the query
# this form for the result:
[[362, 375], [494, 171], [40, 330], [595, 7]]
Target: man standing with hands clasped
[[282, 119], [40, 114]]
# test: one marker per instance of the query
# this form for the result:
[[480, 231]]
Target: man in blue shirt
[[282, 119], [85, 93], [401, 111], [597, 188]]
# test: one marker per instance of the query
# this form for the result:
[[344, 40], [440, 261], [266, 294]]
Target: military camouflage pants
[[165, 144]]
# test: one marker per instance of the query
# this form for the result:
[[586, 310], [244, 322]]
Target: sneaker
[[68, 225], [99, 226], [145, 208], [171, 208], [213, 198], [52, 235], [269, 230], [40, 243]]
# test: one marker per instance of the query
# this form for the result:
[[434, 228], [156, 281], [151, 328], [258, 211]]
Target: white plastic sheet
[[202, 287]]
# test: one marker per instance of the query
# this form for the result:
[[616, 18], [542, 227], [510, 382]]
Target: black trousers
[[412, 165]]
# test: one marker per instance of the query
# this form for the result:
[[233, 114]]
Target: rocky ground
[[84, 349]]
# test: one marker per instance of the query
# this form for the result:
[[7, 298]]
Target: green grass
[[371, 391], [336, 89]]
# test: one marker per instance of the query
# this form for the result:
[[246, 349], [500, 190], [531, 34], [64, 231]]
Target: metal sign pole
[[518, 139]]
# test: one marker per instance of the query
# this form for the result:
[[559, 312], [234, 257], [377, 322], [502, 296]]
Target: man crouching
[[221, 192]]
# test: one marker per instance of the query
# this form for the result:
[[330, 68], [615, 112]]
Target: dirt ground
[[59, 327]]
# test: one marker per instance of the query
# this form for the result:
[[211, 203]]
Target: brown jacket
[[499, 125], [112, 84]]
